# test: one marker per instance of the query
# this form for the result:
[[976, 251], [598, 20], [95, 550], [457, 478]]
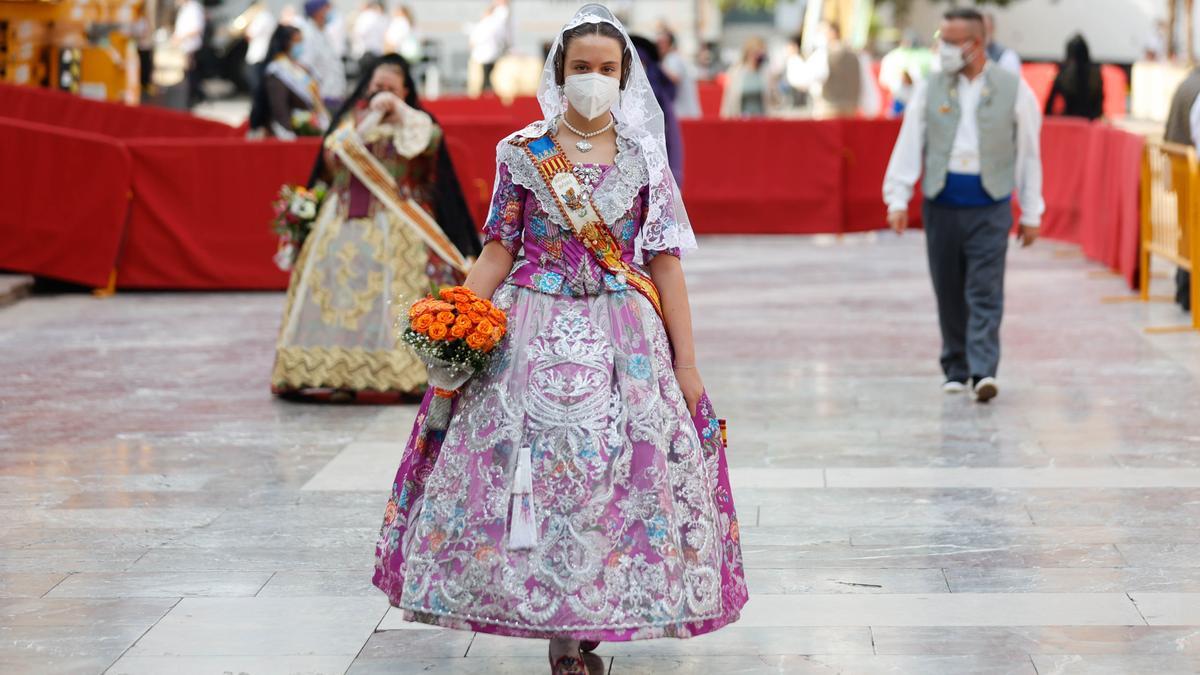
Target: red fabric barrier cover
[[201, 212], [866, 164], [66, 199], [473, 150], [763, 176], [60, 109]]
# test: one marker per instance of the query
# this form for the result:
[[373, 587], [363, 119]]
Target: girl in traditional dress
[[393, 225], [579, 493], [286, 102]]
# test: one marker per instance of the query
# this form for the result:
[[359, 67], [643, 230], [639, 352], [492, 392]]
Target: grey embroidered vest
[[997, 120]]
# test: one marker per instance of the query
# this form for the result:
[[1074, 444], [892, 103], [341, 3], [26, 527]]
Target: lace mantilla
[[614, 196]]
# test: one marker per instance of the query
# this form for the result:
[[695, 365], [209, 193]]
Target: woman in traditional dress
[[393, 225], [286, 102], [579, 493]]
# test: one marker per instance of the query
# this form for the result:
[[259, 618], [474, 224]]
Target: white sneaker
[[952, 387], [986, 389]]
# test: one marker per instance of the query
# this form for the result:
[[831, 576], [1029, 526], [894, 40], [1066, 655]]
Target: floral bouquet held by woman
[[295, 210], [454, 334]]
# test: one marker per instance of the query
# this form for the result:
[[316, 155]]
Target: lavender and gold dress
[[636, 531]]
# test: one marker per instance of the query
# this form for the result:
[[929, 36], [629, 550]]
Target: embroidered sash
[[347, 145], [582, 215]]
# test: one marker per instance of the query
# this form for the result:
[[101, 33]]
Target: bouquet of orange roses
[[454, 334]]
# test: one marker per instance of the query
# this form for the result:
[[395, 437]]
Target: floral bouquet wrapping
[[295, 209], [454, 334]]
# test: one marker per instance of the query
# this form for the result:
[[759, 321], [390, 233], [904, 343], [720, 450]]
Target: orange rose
[[458, 331], [480, 306], [475, 317], [445, 317], [497, 334], [463, 307], [476, 341], [446, 294], [422, 323], [418, 308], [485, 327], [497, 317], [438, 331], [439, 306]]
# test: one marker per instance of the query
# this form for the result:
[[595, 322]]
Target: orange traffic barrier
[[1170, 213]]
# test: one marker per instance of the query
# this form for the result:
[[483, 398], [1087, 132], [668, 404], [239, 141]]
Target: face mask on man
[[953, 58], [297, 51], [592, 94]]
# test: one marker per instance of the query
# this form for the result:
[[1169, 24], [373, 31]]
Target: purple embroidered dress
[[636, 535]]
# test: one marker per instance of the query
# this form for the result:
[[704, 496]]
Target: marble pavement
[[161, 513]]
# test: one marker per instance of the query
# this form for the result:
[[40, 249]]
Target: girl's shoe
[[568, 665], [589, 646]]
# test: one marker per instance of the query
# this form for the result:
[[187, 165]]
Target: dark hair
[[280, 43], [667, 33], [1077, 67], [969, 15], [360, 94], [588, 28], [962, 14], [449, 205]]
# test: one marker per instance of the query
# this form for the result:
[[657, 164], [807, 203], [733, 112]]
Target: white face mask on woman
[[592, 94]]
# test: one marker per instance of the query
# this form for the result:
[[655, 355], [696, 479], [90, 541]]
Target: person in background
[[259, 24], [709, 63], [1078, 84], [337, 341], [997, 52], [401, 37], [1183, 127], [748, 85], [491, 38], [665, 93], [187, 38], [971, 135], [142, 31], [319, 55], [287, 101], [902, 68], [368, 37], [679, 71], [1154, 46], [842, 85], [796, 78]]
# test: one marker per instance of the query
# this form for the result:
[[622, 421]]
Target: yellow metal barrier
[[1170, 217]]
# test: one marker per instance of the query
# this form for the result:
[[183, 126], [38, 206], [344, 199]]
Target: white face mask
[[952, 58], [592, 94]]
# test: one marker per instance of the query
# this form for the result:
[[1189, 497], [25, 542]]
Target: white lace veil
[[640, 122]]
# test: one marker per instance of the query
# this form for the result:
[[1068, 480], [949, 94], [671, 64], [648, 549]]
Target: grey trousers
[[967, 249]]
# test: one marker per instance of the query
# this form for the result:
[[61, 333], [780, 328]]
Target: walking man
[[973, 130]]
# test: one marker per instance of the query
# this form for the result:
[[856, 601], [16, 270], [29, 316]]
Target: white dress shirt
[[492, 36], [906, 164], [369, 33], [320, 58], [189, 27], [258, 35]]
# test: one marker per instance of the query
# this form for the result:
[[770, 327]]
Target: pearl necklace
[[583, 144]]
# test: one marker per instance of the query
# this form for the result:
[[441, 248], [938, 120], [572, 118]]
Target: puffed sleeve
[[506, 217], [663, 230]]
